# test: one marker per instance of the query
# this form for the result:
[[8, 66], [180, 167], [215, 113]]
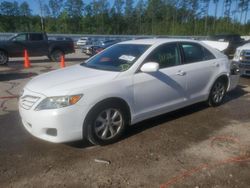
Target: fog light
[[51, 132]]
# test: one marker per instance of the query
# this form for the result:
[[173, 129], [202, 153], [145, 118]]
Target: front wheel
[[3, 58], [217, 93], [106, 124]]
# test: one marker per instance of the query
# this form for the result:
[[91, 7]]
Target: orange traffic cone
[[26, 59], [62, 62]]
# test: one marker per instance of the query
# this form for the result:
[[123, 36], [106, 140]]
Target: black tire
[[217, 93], [93, 124], [49, 58], [56, 55], [3, 58]]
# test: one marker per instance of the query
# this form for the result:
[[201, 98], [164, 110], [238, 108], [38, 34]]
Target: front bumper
[[55, 125]]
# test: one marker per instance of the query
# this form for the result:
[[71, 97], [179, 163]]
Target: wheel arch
[[117, 100], [223, 77], [53, 48], [5, 51]]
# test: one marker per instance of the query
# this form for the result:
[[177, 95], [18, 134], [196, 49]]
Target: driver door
[[162, 91], [17, 45]]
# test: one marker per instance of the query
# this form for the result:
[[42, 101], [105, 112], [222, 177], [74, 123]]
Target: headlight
[[58, 102], [242, 53]]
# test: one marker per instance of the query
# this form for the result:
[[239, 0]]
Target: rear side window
[[36, 37], [207, 54], [195, 53], [166, 55]]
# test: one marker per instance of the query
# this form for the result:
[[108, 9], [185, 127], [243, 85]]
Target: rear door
[[37, 44], [201, 68]]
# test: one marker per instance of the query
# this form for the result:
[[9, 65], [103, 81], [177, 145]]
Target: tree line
[[144, 17]]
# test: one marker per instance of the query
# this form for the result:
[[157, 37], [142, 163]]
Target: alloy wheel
[[218, 92], [108, 123]]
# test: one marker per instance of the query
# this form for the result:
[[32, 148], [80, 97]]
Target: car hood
[[66, 80], [244, 47]]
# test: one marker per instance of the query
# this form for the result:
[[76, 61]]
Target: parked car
[[97, 46], [234, 40], [82, 41], [37, 44], [242, 59], [97, 49], [129, 82], [87, 49]]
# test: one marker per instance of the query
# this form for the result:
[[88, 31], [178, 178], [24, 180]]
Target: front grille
[[28, 101], [245, 56], [247, 53]]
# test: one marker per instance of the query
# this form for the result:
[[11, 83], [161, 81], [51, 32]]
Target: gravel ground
[[197, 146]]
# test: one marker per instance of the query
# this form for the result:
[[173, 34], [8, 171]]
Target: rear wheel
[[217, 93], [106, 124], [3, 58], [56, 55]]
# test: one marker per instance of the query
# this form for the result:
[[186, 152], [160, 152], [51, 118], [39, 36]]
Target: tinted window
[[36, 37], [20, 37], [119, 57], [166, 55], [195, 53]]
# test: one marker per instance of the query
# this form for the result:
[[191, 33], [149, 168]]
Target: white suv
[[126, 83], [242, 59], [82, 41]]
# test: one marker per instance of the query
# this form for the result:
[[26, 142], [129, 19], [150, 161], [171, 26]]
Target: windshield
[[119, 57]]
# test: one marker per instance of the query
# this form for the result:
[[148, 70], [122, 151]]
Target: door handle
[[181, 73]]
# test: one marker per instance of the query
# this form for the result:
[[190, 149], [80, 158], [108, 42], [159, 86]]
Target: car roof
[[156, 41]]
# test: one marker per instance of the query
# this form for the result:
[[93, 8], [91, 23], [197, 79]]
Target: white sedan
[[125, 84]]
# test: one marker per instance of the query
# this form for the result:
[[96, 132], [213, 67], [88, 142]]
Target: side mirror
[[150, 67]]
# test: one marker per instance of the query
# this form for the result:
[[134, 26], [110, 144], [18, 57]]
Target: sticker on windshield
[[127, 58]]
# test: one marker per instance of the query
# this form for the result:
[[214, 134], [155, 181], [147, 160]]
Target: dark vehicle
[[98, 47], [105, 44], [37, 44], [234, 42]]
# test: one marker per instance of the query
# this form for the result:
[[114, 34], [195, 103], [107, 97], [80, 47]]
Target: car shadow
[[164, 118], [235, 93], [15, 76], [79, 144]]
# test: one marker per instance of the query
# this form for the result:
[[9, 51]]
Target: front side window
[[119, 57], [20, 37], [195, 53], [166, 55]]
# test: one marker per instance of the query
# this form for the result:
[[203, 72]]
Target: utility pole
[[41, 16]]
